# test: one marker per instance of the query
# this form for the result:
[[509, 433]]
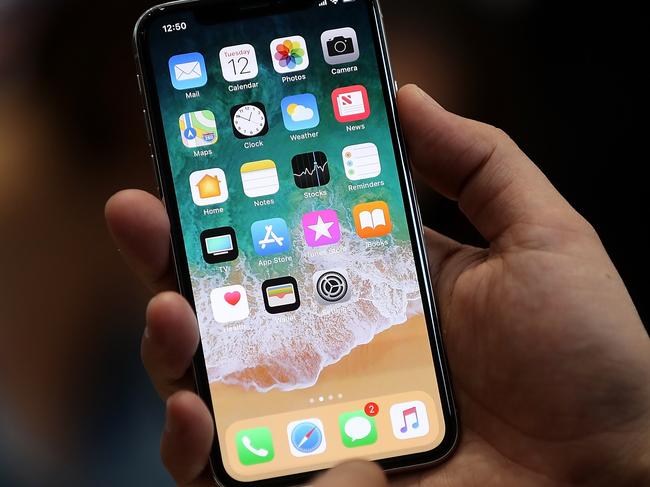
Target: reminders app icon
[[188, 71]]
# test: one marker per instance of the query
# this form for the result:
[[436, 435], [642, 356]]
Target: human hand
[[549, 358]]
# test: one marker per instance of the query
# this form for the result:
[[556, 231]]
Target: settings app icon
[[332, 286]]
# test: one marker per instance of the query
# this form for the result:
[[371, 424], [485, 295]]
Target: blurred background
[[75, 406]]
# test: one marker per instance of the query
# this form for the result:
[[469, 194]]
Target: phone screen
[[286, 182]]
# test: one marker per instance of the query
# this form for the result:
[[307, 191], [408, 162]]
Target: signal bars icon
[[323, 3]]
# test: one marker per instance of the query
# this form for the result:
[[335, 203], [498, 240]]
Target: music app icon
[[409, 420]]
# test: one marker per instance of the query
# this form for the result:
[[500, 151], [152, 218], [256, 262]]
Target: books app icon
[[372, 219]]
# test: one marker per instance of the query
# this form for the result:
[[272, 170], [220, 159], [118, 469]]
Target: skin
[[549, 358]]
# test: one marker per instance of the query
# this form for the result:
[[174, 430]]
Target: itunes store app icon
[[229, 303]]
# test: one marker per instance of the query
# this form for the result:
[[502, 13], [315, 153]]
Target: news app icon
[[281, 295], [219, 245], [351, 103]]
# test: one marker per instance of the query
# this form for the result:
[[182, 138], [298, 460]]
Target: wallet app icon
[[188, 71]]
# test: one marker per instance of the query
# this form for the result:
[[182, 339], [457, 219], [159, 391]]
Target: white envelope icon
[[187, 71]]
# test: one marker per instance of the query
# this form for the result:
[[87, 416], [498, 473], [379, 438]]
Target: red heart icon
[[232, 298]]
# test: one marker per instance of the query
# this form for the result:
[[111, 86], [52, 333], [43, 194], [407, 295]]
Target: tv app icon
[[280, 295], [219, 245], [340, 45]]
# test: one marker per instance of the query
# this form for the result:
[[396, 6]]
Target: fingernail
[[147, 334], [428, 97]]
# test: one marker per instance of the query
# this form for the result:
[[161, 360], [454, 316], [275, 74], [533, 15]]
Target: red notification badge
[[371, 409]]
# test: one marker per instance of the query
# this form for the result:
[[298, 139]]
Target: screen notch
[[218, 11]]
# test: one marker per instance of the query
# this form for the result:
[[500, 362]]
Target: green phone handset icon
[[255, 446]]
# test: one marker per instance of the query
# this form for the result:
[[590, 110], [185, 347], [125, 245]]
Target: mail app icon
[[188, 71]]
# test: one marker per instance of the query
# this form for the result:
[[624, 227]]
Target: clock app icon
[[249, 120]]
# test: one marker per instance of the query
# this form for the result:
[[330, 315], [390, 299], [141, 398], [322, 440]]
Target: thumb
[[496, 185], [357, 473]]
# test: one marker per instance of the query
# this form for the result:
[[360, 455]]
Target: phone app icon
[[289, 54], [357, 429], [321, 228], [306, 437], [229, 303], [209, 187], [219, 245], [281, 295], [198, 128], [361, 161], [188, 71], [351, 103], [372, 219], [332, 286], [238, 62], [249, 120], [310, 170], [271, 236], [255, 446], [259, 178], [300, 112], [340, 45], [409, 420]]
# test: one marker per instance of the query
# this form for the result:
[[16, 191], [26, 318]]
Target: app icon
[[361, 161], [271, 236], [188, 71], [357, 429], [409, 420], [310, 169], [229, 303], [249, 120], [340, 45], [289, 54], [198, 128], [372, 219], [238, 62], [351, 103], [260, 178], [321, 228], [219, 245], [255, 446], [281, 295], [209, 187], [300, 112], [332, 286], [306, 437]]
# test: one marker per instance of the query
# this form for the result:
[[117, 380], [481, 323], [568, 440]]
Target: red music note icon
[[408, 412]]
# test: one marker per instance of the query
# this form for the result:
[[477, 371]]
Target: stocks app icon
[[310, 170]]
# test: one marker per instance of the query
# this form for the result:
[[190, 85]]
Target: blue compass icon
[[307, 438]]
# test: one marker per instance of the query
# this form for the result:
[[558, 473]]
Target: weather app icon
[[300, 112], [306, 437]]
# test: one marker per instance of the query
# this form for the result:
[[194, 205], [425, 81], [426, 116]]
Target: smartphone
[[296, 235]]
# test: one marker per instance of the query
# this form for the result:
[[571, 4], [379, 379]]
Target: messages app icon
[[357, 429], [188, 71]]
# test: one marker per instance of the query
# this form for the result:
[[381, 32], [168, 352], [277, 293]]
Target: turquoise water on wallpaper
[[288, 350]]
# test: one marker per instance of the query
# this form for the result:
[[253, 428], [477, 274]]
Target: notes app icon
[[259, 178], [372, 219], [409, 420]]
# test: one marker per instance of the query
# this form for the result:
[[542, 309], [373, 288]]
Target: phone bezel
[[247, 9]]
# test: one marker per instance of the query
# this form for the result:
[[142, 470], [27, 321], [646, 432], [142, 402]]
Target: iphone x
[[296, 235]]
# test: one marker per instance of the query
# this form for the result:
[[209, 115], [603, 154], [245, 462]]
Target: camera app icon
[[340, 45]]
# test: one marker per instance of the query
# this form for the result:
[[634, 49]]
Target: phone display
[[295, 237]]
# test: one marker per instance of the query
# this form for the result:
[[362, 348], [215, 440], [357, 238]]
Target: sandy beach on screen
[[396, 360]]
